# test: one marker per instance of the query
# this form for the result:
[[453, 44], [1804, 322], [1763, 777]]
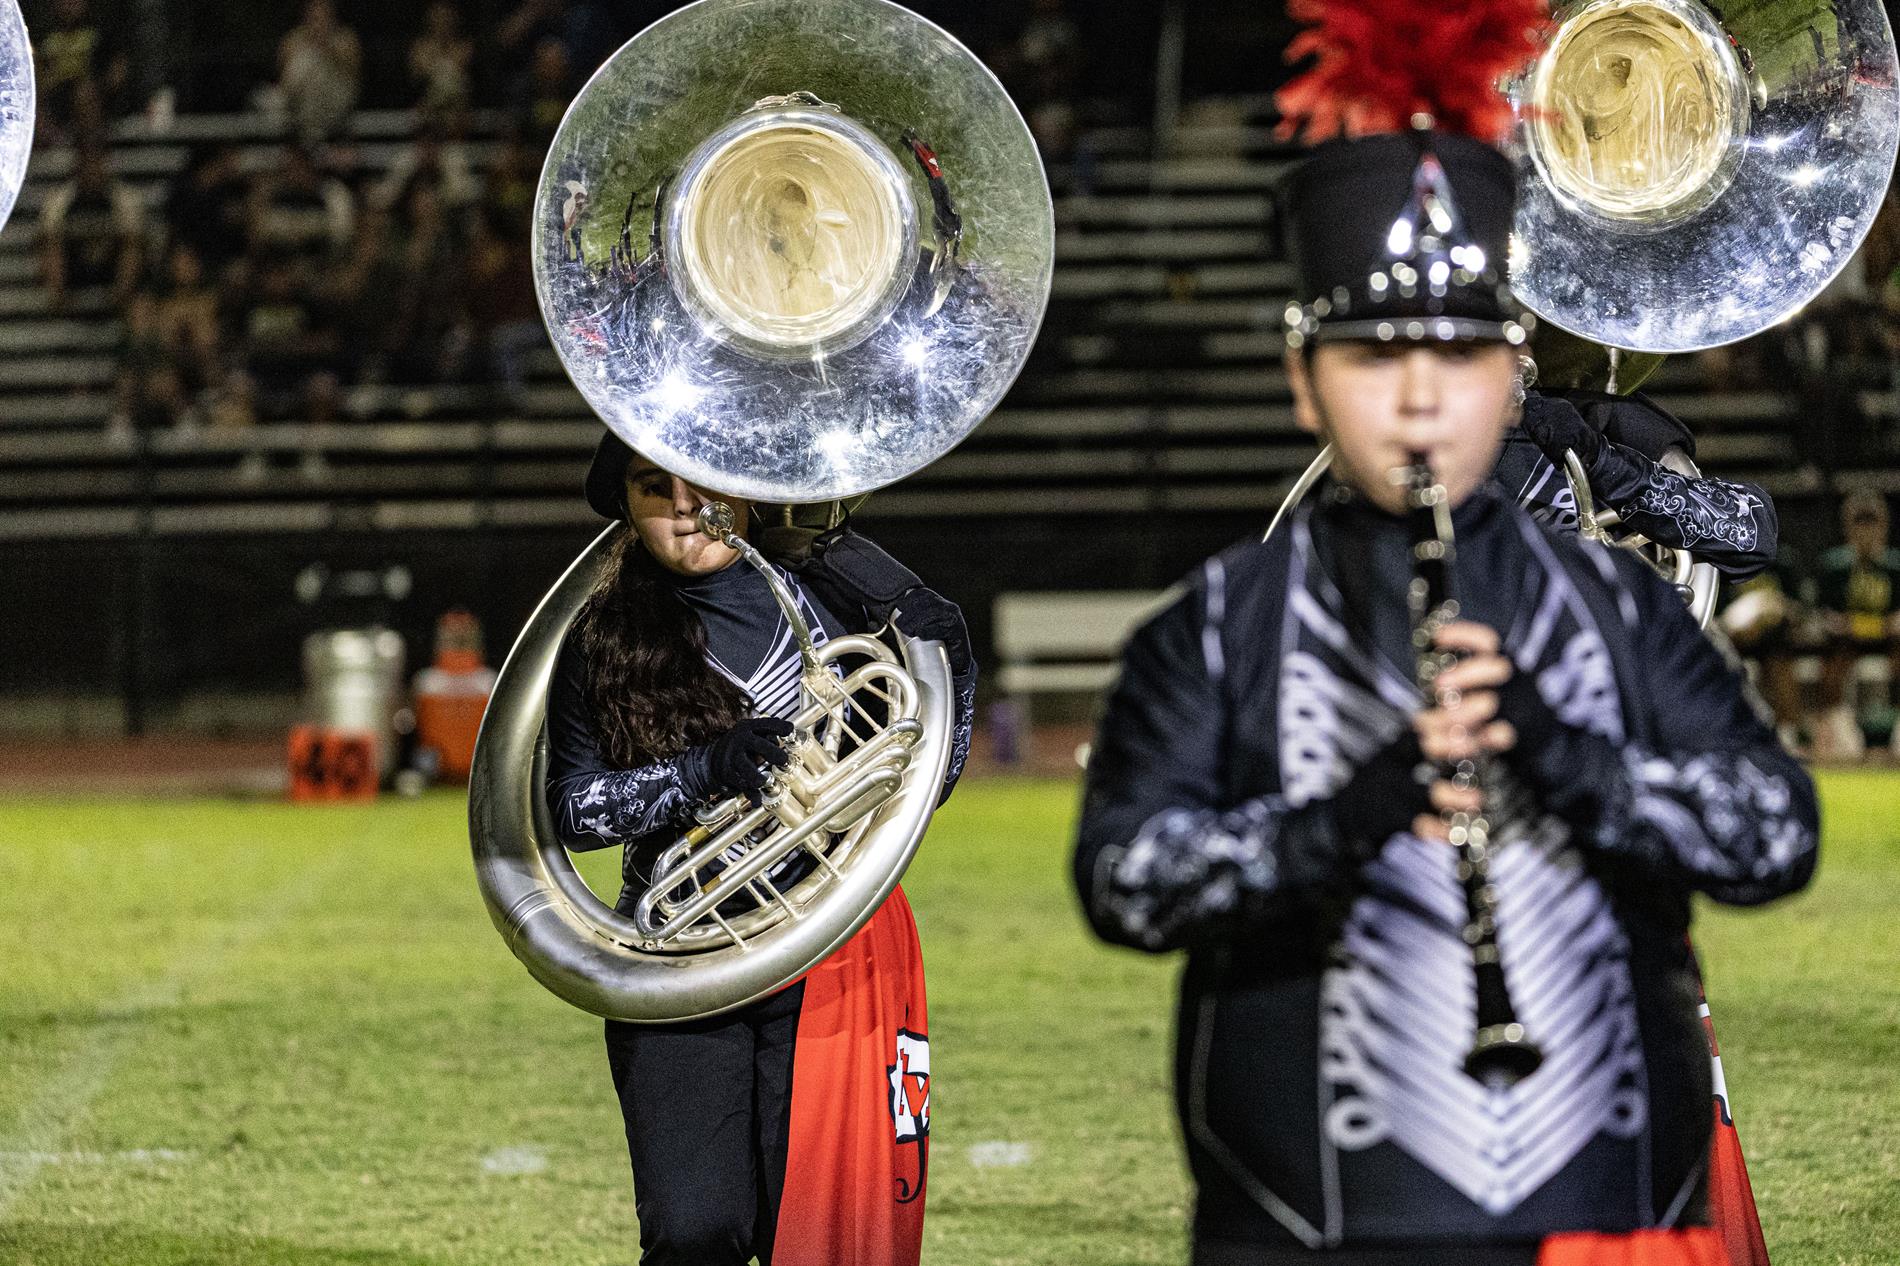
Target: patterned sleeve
[[1632, 448], [961, 727], [593, 804], [1729, 525], [1711, 799], [1159, 863], [594, 810], [1740, 826]]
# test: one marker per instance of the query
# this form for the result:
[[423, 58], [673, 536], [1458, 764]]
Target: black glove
[[1382, 797], [927, 614], [1555, 425], [734, 761], [1568, 770]]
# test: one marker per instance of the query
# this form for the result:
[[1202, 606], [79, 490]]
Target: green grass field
[[250, 1033]]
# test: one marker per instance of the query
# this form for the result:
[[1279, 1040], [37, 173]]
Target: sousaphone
[[793, 251], [1690, 175]]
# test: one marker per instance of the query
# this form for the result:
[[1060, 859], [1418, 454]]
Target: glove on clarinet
[[1568, 770], [1382, 798]]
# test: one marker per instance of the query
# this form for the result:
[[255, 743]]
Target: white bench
[[1869, 670], [1065, 643]]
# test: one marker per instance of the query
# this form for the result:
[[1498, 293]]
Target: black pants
[[708, 1106]]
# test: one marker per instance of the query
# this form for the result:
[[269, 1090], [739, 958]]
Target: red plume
[[1380, 62]]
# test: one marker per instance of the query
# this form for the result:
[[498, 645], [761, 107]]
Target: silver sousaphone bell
[[793, 251], [1690, 175]]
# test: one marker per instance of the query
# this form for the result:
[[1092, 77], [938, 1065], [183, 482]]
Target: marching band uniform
[[795, 1127], [1325, 1007], [1251, 795]]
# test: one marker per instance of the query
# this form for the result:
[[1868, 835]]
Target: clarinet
[[1501, 1052]]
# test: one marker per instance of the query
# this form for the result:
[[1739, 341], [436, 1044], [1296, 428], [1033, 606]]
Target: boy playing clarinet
[[1273, 791]]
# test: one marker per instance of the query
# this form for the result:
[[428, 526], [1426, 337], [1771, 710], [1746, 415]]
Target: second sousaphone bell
[[1693, 173]]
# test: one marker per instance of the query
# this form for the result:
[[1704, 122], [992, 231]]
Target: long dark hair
[[651, 690]]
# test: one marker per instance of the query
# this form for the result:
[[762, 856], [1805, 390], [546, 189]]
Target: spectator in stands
[[358, 291], [424, 261], [510, 184], [207, 207], [542, 95], [1890, 325], [321, 405], [300, 210], [582, 28], [1766, 620], [162, 402], [153, 392], [1857, 593], [141, 355], [319, 73], [287, 335], [323, 399], [91, 233], [439, 154], [1042, 67], [172, 356], [503, 318], [439, 62], [186, 319], [232, 406], [1043, 63], [1833, 351], [79, 72], [1050, 47]]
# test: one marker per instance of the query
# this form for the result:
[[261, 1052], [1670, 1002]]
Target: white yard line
[[999, 1154], [130, 1156], [49, 1118], [515, 1160]]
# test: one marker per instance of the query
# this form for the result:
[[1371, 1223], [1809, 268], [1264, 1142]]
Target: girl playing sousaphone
[[794, 1127]]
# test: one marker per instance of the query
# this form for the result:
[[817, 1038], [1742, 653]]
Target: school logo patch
[[910, 1087], [910, 1105]]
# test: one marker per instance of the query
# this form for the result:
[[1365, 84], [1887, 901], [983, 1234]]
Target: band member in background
[[796, 1127], [1256, 794], [1857, 596]]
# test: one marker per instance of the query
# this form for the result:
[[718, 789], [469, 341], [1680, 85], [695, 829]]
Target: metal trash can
[[354, 681]]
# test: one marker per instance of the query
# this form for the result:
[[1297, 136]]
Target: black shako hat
[[1402, 230], [607, 477], [1403, 236]]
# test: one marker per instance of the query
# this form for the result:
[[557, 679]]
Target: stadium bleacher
[[1155, 395], [1157, 376]]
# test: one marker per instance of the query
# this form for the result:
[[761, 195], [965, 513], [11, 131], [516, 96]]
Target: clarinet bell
[[1502, 1055]]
